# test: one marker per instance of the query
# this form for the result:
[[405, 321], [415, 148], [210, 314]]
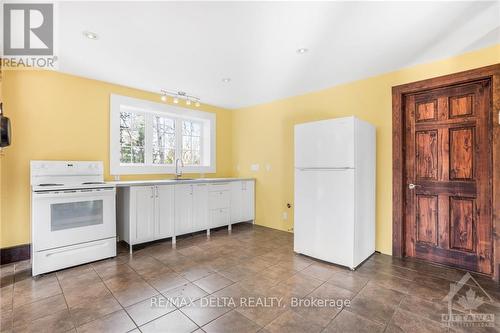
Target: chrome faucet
[[178, 171]]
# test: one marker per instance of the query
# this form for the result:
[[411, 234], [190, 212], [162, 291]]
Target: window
[[131, 137], [163, 140], [191, 142], [148, 137]]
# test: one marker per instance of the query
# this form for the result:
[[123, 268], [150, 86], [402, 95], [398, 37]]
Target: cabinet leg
[[174, 241], [130, 248], [229, 228], [208, 232]]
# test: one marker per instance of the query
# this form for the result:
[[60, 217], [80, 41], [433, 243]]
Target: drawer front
[[216, 187], [67, 256], [219, 199], [219, 217]]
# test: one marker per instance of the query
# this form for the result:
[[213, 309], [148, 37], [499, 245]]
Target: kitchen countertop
[[126, 183]]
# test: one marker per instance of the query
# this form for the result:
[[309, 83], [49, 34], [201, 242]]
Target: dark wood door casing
[[462, 188]]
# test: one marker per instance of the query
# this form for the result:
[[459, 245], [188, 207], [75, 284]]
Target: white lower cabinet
[[183, 209], [147, 213], [200, 207], [242, 201], [219, 204], [143, 214], [219, 217], [164, 211]]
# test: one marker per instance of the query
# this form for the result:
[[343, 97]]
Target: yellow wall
[[59, 116], [264, 134]]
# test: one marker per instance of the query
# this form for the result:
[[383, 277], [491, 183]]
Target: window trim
[[208, 120]]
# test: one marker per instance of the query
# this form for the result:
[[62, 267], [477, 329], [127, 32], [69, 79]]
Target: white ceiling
[[191, 46]]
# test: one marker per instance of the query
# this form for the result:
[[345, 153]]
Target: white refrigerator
[[335, 190]]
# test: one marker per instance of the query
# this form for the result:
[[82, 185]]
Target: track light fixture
[[178, 96]]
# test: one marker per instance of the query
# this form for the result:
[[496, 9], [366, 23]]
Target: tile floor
[[160, 289]]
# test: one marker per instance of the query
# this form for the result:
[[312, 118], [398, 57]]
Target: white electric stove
[[73, 217]]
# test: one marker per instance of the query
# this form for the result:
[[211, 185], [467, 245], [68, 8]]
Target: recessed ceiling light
[[90, 35], [302, 50], [226, 80]]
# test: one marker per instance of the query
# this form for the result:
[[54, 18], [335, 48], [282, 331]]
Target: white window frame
[[208, 120]]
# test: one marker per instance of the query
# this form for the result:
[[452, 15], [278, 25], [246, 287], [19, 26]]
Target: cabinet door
[[236, 202], [183, 209], [143, 221], [200, 207], [247, 201], [164, 211], [219, 217]]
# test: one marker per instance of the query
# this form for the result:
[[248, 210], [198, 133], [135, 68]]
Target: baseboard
[[15, 253]]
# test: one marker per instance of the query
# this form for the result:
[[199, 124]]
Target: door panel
[[165, 211], [448, 217], [247, 202], [144, 214], [183, 209], [426, 145], [427, 207], [461, 153], [236, 202], [200, 207], [462, 224]]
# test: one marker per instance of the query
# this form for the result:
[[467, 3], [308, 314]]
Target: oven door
[[71, 217]]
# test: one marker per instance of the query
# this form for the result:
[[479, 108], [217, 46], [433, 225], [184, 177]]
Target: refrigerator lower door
[[324, 214]]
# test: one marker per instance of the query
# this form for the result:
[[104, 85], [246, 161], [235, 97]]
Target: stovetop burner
[[49, 184]]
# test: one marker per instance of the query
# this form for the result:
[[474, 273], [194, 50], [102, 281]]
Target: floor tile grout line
[[65, 301], [343, 308], [123, 308], [394, 313]]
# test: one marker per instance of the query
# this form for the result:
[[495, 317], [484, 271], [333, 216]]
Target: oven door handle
[[76, 193], [75, 250]]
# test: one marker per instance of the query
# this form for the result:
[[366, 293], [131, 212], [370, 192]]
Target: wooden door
[[448, 173]]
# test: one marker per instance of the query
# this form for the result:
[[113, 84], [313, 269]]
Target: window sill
[[158, 169]]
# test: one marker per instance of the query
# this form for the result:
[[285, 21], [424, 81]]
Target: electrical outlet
[[268, 167], [255, 167], [117, 178], [285, 215]]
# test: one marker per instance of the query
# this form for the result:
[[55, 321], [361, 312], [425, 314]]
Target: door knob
[[412, 186]]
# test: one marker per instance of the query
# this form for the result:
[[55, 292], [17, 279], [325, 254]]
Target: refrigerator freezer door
[[324, 214], [325, 144]]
